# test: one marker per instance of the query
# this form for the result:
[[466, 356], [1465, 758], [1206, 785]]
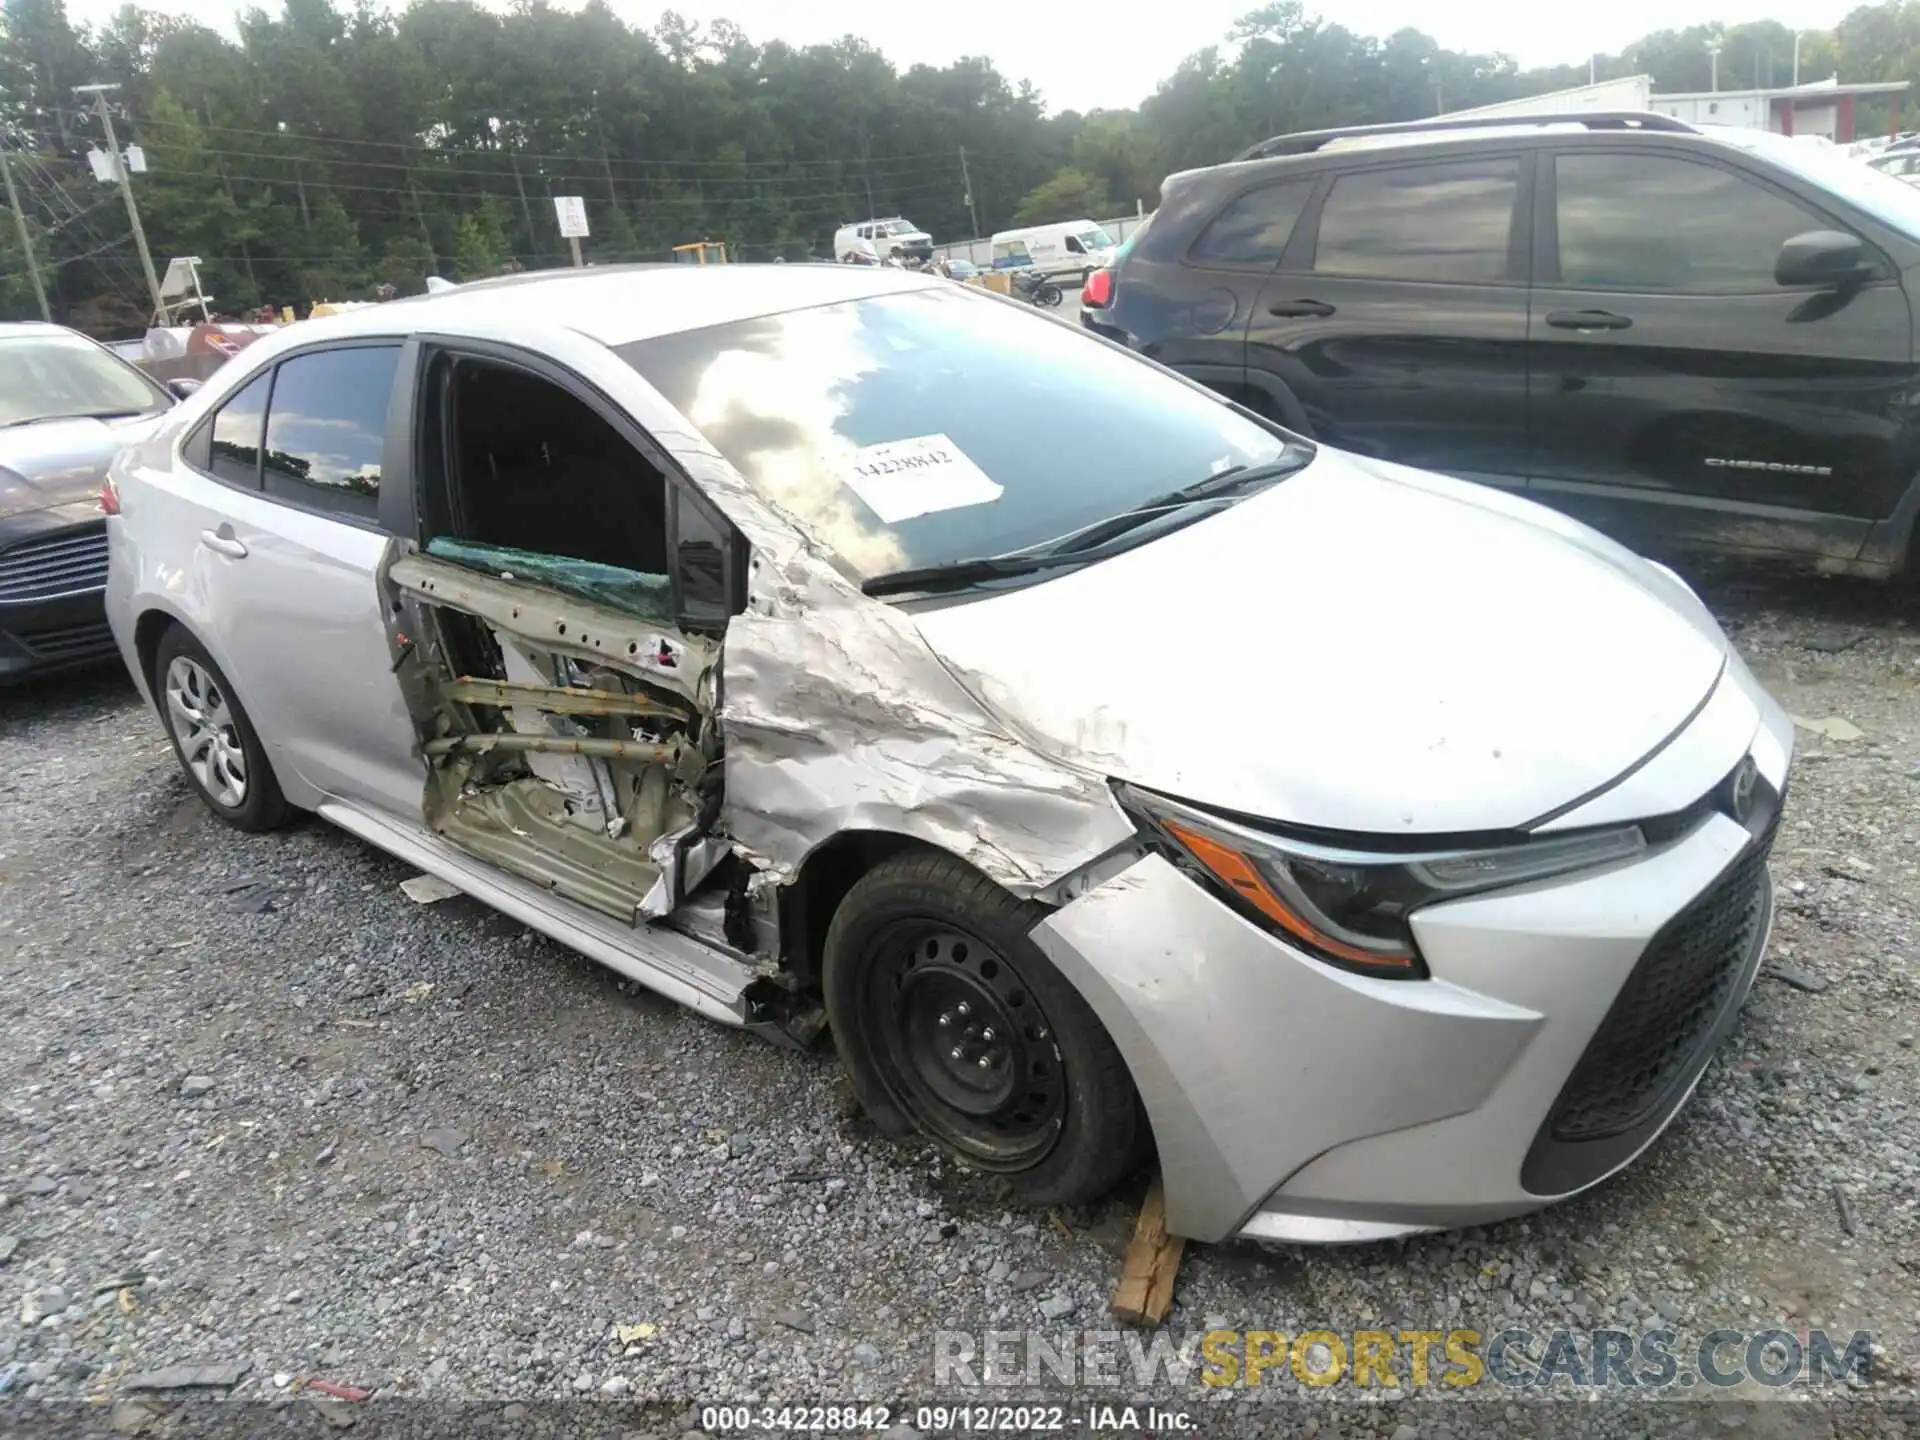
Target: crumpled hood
[[1362, 647], [59, 462]]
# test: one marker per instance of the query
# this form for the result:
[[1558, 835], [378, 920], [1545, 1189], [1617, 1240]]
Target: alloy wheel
[[203, 724]]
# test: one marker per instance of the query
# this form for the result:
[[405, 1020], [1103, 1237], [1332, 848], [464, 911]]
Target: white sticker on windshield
[[903, 479]]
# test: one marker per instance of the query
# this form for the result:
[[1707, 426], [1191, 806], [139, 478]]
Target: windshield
[[55, 375], [1096, 239], [898, 227], [1888, 199], [938, 425]]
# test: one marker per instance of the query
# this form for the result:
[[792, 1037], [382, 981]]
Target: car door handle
[[1587, 320], [1300, 309], [224, 544]]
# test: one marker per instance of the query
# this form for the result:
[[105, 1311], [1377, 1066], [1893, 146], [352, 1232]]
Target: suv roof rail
[[1305, 142]]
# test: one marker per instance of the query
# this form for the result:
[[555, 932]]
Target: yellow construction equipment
[[701, 252]]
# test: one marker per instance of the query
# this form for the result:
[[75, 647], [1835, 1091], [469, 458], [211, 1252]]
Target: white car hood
[[1362, 647]]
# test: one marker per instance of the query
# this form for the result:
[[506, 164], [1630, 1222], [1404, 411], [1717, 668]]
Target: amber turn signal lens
[[1243, 878]]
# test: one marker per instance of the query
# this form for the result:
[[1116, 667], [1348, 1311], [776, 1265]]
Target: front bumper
[[1292, 1101], [52, 600]]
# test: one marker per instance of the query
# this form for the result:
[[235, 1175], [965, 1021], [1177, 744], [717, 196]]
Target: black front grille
[[69, 642], [70, 562], [1682, 984]]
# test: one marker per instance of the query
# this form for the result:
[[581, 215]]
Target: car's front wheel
[[216, 742], [948, 1017]]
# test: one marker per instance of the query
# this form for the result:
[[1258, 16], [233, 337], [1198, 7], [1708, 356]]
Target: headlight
[[1351, 907]]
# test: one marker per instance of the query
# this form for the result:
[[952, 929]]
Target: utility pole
[[1593, 62], [100, 93], [1796, 57], [26, 240], [866, 168], [420, 214], [973, 213], [1713, 57], [526, 210]]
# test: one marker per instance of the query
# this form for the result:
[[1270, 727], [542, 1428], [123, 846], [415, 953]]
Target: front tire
[[950, 1020], [214, 740]]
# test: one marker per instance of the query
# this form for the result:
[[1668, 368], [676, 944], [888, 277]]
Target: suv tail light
[[1098, 294], [109, 497]]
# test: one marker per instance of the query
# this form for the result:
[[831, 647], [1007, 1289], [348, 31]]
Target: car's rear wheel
[[950, 1020], [216, 742]]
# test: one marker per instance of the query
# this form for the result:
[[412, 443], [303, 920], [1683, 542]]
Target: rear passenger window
[[1254, 229], [1652, 224], [327, 427], [1446, 222], [235, 453]]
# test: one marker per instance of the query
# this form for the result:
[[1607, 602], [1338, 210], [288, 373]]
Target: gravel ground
[[260, 1108]]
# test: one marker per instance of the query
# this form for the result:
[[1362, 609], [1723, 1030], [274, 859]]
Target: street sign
[[572, 213]]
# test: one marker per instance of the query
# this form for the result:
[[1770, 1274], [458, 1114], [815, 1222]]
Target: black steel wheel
[[966, 1051], [952, 1023]]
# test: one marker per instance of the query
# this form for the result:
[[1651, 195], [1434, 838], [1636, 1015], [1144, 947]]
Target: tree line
[[328, 149]]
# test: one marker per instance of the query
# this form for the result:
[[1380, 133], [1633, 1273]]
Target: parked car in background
[[1900, 164], [66, 405], [892, 238], [956, 268], [1070, 249], [1695, 340], [467, 576]]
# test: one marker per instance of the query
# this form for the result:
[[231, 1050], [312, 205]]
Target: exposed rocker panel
[[680, 969]]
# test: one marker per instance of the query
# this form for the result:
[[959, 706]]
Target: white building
[[1633, 93], [1824, 107]]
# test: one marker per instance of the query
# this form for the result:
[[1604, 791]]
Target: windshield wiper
[[1217, 486], [1096, 541], [75, 415]]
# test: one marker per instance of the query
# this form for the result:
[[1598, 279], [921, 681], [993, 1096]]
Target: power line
[[71, 259], [677, 202], [431, 150], [75, 219]]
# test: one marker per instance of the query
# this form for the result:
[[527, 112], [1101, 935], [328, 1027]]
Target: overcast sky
[[1082, 57]]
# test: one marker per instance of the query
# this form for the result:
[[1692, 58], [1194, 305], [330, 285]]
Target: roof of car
[[617, 304], [27, 329], [1470, 126]]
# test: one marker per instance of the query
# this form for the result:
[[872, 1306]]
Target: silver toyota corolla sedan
[[1108, 768]]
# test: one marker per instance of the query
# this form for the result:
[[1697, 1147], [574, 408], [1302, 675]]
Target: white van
[[1070, 247], [889, 238]]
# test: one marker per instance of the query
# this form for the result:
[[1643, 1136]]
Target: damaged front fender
[[837, 717]]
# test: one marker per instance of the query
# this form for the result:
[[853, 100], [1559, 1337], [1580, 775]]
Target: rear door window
[[1254, 229], [327, 428], [1450, 221]]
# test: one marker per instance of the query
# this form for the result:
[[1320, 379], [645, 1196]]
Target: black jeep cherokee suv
[[1693, 339]]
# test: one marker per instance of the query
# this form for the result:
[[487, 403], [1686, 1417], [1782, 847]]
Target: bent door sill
[[673, 965]]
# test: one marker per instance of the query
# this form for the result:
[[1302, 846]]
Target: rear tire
[[949, 1020], [215, 742]]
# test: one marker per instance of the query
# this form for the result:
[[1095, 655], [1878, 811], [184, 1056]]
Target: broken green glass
[[634, 591]]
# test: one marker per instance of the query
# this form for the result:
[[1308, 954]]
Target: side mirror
[[183, 386], [1821, 257]]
